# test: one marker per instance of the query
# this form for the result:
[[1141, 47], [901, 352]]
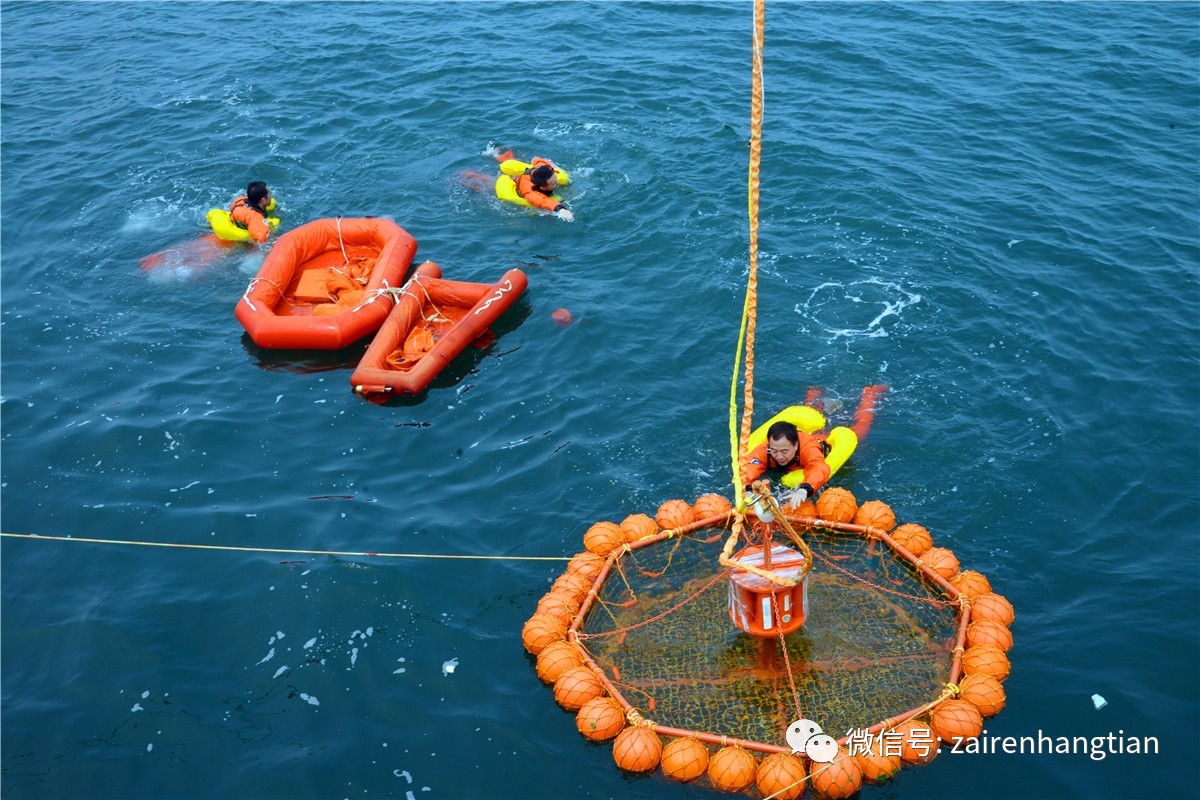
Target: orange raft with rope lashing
[[432, 322], [326, 284]]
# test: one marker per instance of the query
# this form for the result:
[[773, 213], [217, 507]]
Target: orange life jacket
[[245, 215]]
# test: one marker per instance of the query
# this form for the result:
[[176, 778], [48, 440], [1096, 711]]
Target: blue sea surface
[[993, 208]]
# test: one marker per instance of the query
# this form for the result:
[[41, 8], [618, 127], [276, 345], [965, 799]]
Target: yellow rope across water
[[287, 551]]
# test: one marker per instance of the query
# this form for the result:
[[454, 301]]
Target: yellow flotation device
[[842, 441], [225, 228], [506, 183]]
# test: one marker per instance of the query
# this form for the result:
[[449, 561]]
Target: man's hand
[[565, 215]]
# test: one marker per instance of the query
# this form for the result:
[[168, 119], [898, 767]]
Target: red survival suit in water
[[533, 195], [810, 457], [250, 217]]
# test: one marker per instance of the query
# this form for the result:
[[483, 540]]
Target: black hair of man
[[256, 192], [542, 174], [783, 430]]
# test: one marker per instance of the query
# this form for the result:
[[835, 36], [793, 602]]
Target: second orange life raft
[[325, 285], [432, 322]]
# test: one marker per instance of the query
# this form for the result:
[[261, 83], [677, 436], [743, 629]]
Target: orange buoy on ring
[[877, 514], [572, 584], [878, 764], [837, 505], [575, 687], [994, 607], [562, 317], [918, 744], [971, 583], [984, 692], [636, 526], [674, 514], [838, 779], [586, 564], [559, 605], [955, 721], [603, 537], [781, 776], [711, 505], [637, 749], [555, 659], [941, 561], [985, 631], [541, 630], [732, 769], [913, 537], [600, 719], [684, 760], [986, 659], [761, 607]]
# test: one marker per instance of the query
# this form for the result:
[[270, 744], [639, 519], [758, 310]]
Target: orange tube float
[[320, 286], [433, 321]]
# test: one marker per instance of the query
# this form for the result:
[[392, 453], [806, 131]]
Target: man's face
[[782, 450]]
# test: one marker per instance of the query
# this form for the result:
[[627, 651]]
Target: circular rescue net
[[882, 641], [878, 640]]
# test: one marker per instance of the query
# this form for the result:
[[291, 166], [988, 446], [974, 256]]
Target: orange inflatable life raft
[[432, 322], [326, 284]]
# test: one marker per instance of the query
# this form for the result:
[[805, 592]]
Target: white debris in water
[[310, 643], [1099, 702], [278, 634], [449, 667], [280, 671], [312, 701], [267, 657], [136, 708], [149, 747], [353, 656], [145, 694]]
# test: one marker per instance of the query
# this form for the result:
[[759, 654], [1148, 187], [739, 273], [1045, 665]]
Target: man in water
[[249, 211], [788, 449], [537, 183]]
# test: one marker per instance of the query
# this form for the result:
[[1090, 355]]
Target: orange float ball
[[541, 630], [637, 749], [941, 561], [918, 744], [572, 585], [586, 564], [603, 537], [994, 607], [684, 760], [575, 687], [555, 659], [600, 719], [732, 769], [781, 776], [838, 779], [955, 721], [877, 514], [637, 526], [879, 763], [674, 514], [985, 631], [711, 505], [913, 538], [984, 692], [986, 659], [837, 505], [971, 583], [559, 605]]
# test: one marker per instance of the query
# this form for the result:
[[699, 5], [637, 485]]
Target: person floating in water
[[250, 211], [536, 185], [788, 449]]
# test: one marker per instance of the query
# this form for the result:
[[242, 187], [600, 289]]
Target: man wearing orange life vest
[[789, 449], [250, 211], [537, 183]]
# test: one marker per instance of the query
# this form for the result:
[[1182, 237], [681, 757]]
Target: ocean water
[[990, 207]]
